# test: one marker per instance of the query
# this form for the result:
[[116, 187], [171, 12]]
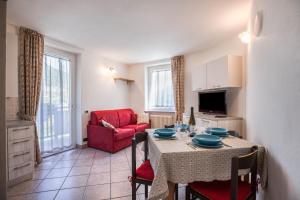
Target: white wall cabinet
[[199, 78], [225, 72]]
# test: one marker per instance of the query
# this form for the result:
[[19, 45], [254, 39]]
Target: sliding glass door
[[55, 109]]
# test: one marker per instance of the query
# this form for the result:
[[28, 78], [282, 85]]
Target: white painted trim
[[73, 67], [50, 42]]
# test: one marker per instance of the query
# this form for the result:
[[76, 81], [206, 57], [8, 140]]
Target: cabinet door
[[199, 78], [199, 122], [217, 73], [209, 123]]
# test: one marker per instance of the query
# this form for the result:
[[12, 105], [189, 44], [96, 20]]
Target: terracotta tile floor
[[81, 174]]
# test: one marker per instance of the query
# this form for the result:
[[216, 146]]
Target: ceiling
[[133, 31]]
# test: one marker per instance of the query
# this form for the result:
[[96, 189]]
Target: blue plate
[[209, 146], [165, 132], [164, 137], [207, 139], [222, 136], [216, 131], [218, 134]]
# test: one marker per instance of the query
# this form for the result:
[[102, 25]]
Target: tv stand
[[221, 121], [220, 116]]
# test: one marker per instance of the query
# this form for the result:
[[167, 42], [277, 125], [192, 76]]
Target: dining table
[[177, 160]]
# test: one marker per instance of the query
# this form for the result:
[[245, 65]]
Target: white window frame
[[72, 58], [148, 69]]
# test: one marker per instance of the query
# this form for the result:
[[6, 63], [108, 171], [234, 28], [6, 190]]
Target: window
[[55, 107], [160, 90]]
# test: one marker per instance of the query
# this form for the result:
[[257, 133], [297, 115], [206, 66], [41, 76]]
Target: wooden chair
[[234, 189], [170, 126], [144, 174]]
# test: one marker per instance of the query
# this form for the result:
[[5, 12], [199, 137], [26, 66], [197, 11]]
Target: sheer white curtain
[[54, 124], [160, 88]]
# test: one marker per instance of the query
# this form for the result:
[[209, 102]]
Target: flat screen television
[[213, 102]]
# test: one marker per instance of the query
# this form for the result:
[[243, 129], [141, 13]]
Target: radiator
[[159, 121]]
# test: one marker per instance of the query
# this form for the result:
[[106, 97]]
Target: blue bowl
[[217, 131], [165, 132], [207, 139]]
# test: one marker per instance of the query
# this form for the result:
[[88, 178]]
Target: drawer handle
[[21, 154], [21, 141], [22, 166], [20, 129]]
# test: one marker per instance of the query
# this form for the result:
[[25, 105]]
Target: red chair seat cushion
[[220, 190], [145, 171], [138, 127], [123, 133]]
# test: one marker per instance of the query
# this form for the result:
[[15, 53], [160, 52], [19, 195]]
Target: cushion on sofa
[[123, 133], [138, 127], [106, 124], [110, 116], [125, 116]]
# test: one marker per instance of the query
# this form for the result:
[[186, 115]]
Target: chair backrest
[[235, 134], [138, 138], [169, 126], [248, 161]]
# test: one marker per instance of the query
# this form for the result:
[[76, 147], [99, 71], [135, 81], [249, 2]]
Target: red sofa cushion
[[111, 116], [125, 116], [220, 190], [138, 127], [145, 171], [123, 133]]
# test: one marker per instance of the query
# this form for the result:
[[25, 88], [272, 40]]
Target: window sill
[[159, 111]]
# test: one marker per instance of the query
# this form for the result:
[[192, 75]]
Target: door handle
[[22, 166], [21, 141], [21, 154]]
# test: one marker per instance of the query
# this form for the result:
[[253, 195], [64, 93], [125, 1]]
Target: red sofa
[[113, 140]]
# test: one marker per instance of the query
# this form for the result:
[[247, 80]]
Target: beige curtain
[[177, 65], [31, 50]]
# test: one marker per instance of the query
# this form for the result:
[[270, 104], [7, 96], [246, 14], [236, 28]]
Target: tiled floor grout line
[[76, 158], [41, 180], [86, 185], [65, 177]]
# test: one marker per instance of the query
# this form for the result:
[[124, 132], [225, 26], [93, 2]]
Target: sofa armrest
[[100, 137]]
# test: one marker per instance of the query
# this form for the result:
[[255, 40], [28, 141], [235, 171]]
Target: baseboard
[[81, 146]]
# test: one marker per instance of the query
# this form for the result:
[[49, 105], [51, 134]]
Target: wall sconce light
[[245, 37], [258, 23], [111, 70]]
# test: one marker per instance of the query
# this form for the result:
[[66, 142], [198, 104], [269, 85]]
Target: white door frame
[[72, 57]]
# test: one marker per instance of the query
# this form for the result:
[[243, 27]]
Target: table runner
[[177, 162]]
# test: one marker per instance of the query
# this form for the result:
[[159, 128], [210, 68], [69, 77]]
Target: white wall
[[236, 97], [95, 88], [98, 89], [273, 94], [11, 62]]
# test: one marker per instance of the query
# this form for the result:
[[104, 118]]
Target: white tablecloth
[[177, 162]]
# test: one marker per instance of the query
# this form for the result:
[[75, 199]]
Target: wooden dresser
[[20, 151]]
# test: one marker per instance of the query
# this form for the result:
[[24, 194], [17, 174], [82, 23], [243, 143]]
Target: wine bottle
[[192, 121]]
